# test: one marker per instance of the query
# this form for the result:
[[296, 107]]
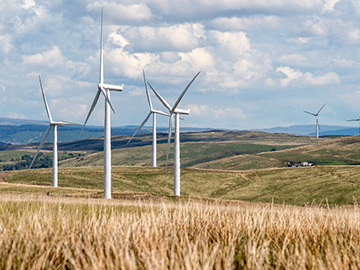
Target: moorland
[[241, 207]]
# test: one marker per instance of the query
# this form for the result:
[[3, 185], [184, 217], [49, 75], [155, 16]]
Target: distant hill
[[19, 122], [23, 131], [310, 130]]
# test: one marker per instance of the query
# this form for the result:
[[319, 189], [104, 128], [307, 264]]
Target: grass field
[[192, 153], [77, 233], [270, 218], [336, 185]]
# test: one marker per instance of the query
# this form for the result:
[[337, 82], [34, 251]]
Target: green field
[[248, 166], [242, 212], [336, 185]]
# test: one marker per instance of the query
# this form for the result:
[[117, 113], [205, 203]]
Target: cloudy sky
[[262, 62]]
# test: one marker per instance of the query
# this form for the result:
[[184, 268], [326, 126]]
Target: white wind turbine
[[53, 124], [358, 119], [105, 90], [174, 110], [152, 112], [317, 119]]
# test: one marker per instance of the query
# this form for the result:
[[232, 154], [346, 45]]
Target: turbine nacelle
[[111, 87], [181, 111], [62, 123]]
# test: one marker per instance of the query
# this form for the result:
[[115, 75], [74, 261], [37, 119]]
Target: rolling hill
[[196, 147], [229, 165], [336, 151], [335, 185]]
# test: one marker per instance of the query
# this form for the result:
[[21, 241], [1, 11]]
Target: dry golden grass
[[58, 233]]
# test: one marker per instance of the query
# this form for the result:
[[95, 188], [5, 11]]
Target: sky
[[262, 62]]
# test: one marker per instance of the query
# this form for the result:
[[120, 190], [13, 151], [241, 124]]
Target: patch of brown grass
[[68, 233]]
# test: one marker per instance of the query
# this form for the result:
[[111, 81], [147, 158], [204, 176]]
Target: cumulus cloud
[[52, 58], [178, 37], [297, 78], [243, 48], [123, 13]]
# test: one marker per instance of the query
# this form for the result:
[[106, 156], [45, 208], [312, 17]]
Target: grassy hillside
[[337, 151], [196, 147], [299, 186], [214, 150]]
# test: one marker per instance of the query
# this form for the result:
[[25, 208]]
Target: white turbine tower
[[105, 90], [152, 112], [53, 124], [358, 119], [174, 110], [317, 119]]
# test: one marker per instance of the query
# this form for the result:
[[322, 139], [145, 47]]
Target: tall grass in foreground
[[97, 234]]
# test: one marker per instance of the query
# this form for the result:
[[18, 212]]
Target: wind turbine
[[358, 119], [317, 119], [53, 124], [105, 90], [152, 112], [174, 110]]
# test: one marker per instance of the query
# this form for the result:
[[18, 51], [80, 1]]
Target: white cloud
[[118, 40], [178, 37], [52, 58], [256, 22], [199, 58], [28, 4], [5, 44], [230, 44], [123, 13], [297, 78], [243, 48], [329, 5]]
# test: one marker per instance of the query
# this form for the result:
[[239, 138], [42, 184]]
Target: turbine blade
[[321, 108], [183, 93], [168, 143], [160, 112], [310, 113], [353, 120], [147, 91], [66, 123], [163, 101], [41, 144], [101, 72], [91, 110], [107, 98], [143, 123], [45, 102]]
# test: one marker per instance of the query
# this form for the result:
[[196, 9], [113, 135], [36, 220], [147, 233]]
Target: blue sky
[[262, 62]]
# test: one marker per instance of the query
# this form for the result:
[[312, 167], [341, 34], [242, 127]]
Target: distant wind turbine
[[152, 112], [174, 110], [105, 90], [317, 119], [53, 124], [358, 119]]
